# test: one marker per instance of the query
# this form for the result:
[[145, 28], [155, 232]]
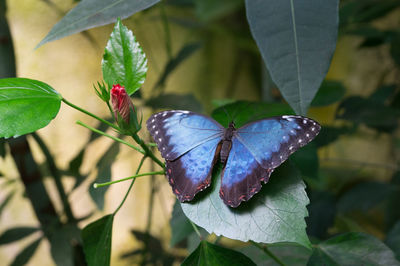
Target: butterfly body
[[192, 143]]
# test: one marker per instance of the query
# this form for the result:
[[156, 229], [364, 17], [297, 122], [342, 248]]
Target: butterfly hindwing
[[192, 172], [271, 141], [241, 176], [177, 132]]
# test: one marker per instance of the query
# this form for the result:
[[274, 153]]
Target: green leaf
[[275, 214], [97, 241], [209, 254], [180, 225], [124, 61], [297, 40], [242, 112], [364, 196], [23, 257], [393, 239], [94, 13], [16, 233], [288, 253], [322, 212], [103, 175], [26, 105], [175, 101], [352, 249], [306, 160], [330, 92]]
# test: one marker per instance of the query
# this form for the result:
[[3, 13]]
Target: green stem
[[96, 185], [147, 151], [111, 137], [89, 114], [56, 175], [130, 186], [268, 252], [196, 229]]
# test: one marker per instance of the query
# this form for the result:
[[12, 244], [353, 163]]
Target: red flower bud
[[121, 102]]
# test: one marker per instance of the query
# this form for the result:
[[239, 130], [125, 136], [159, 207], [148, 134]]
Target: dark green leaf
[[103, 175], [242, 112], [76, 163], [209, 254], [124, 61], [275, 214], [175, 101], [93, 13], [180, 225], [97, 241], [384, 93], [288, 253], [322, 211], [364, 196], [2, 148], [395, 48], [329, 134], [16, 233], [330, 92], [297, 40], [352, 249], [393, 239], [26, 105], [306, 160], [369, 112], [23, 257], [208, 10], [182, 55], [7, 63]]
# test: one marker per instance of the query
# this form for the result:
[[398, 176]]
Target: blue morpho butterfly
[[192, 143]]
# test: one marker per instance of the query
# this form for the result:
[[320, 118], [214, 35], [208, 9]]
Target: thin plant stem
[[130, 186], [56, 175], [196, 229], [147, 151], [89, 114], [111, 137], [97, 185], [268, 252]]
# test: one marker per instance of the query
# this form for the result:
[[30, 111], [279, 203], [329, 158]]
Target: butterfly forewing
[[177, 132]]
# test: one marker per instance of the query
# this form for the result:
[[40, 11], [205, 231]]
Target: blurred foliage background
[[201, 55]]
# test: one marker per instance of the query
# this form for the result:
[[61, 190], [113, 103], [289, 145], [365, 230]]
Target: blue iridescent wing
[[257, 149], [177, 132], [188, 142]]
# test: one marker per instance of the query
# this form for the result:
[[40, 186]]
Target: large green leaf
[[124, 61], [275, 214], [97, 241], [209, 254], [26, 105], [352, 249], [297, 40], [93, 13]]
